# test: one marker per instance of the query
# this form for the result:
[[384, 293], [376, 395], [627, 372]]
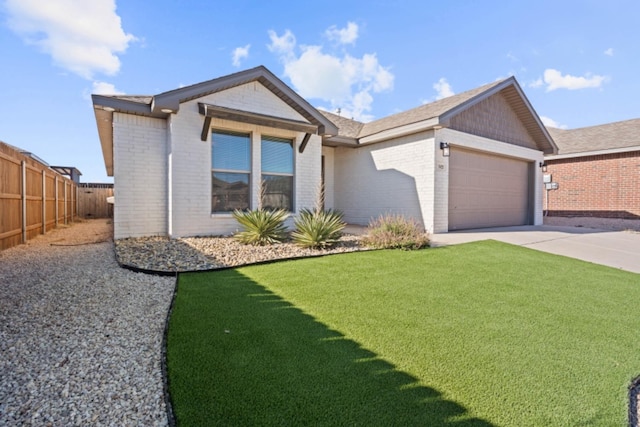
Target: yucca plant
[[261, 227], [318, 228]]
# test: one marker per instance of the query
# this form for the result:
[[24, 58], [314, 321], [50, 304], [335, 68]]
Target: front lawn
[[471, 335]]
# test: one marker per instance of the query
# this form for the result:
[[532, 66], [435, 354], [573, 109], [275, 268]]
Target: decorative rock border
[[161, 255]]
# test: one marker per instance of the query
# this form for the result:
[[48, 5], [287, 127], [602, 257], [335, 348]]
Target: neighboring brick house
[[597, 169], [184, 159]]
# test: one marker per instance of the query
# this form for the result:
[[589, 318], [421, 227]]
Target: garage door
[[487, 190]]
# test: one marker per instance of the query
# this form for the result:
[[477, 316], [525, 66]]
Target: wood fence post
[[65, 202], [44, 202], [23, 195], [55, 182], [74, 200]]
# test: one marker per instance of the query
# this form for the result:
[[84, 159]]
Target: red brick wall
[[600, 186]]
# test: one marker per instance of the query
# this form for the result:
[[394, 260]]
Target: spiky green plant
[[261, 226], [395, 232], [318, 228]]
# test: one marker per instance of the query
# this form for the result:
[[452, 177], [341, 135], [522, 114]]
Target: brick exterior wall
[[140, 176], [410, 176], [390, 177], [190, 172], [163, 170], [606, 186]]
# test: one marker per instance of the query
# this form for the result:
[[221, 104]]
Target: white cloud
[[103, 88], [443, 88], [81, 36], [609, 52], [282, 45], [344, 81], [346, 35], [555, 80], [239, 54], [100, 88], [548, 122], [537, 83]]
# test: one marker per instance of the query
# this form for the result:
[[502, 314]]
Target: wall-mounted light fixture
[[444, 146], [543, 166]]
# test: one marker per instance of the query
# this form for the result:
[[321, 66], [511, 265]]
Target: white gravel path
[[80, 338]]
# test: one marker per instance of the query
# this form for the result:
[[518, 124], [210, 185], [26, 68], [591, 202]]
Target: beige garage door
[[487, 190]]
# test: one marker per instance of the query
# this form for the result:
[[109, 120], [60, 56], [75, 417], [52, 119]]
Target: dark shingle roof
[[354, 129], [423, 112], [347, 127], [597, 138], [440, 113]]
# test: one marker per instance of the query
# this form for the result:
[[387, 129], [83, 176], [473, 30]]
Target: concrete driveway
[[618, 249]]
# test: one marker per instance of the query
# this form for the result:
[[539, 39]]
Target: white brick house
[[183, 160]]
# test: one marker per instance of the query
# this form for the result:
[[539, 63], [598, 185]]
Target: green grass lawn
[[471, 335]]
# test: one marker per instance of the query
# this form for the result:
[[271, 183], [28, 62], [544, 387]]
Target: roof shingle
[[622, 134], [423, 112]]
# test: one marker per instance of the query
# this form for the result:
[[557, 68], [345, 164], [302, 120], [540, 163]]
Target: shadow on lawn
[[240, 355]]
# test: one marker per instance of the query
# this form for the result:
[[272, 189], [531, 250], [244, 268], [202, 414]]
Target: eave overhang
[[339, 141], [215, 111], [103, 108], [167, 103], [593, 153], [399, 131]]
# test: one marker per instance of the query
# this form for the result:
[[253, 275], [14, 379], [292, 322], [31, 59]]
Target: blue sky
[[577, 61]]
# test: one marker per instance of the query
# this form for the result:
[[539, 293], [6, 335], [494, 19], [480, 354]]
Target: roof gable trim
[[215, 111], [550, 147], [170, 101]]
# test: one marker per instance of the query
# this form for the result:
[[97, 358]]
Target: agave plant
[[261, 226], [318, 228]]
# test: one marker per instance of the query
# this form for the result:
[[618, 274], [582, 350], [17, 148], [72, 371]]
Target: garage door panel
[[487, 190]]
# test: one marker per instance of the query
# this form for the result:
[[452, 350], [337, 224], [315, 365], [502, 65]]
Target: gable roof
[[166, 103], [439, 114], [611, 137]]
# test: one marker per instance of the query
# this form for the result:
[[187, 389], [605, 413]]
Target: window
[[277, 173], [231, 171]]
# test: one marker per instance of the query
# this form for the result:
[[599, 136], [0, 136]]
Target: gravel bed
[[80, 338], [207, 253]]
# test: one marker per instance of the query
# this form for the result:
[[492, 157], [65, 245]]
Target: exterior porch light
[[444, 146], [543, 166], [167, 110], [109, 109]]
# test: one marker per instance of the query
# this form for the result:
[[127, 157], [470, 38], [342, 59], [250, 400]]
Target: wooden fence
[[33, 198], [92, 200]]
